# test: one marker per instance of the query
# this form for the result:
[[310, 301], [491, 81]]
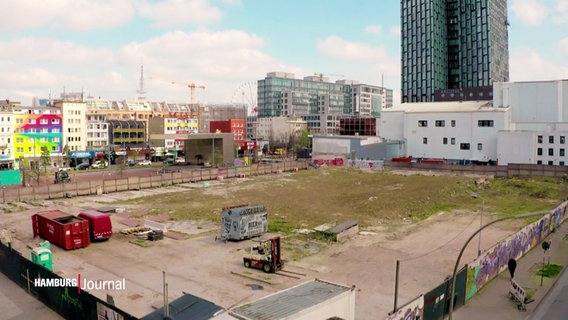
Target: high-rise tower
[[452, 44]]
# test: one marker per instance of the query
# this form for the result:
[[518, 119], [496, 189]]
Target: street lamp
[[453, 287], [475, 196]]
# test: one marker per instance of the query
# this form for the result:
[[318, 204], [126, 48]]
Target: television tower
[[141, 91]]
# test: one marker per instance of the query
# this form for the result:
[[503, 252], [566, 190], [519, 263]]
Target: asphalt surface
[[17, 304], [555, 304], [550, 297]]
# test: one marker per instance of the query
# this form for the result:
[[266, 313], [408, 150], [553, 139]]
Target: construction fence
[[164, 177], [434, 305], [67, 301]]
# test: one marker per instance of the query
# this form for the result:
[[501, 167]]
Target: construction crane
[[321, 75], [192, 86]]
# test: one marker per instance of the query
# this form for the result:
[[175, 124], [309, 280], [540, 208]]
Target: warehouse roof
[[187, 306], [443, 106], [289, 302]]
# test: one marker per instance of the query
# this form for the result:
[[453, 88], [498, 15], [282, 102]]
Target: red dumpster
[[63, 229]]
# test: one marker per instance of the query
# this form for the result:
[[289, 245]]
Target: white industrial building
[[460, 132], [539, 118]]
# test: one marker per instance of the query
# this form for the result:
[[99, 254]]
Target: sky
[[98, 46]]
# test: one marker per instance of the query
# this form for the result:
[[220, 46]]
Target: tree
[[45, 158], [66, 155], [305, 139]]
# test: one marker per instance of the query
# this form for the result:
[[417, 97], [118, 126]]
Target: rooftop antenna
[[141, 91]]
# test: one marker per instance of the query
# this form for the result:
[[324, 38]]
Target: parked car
[[99, 164], [82, 166], [169, 161], [131, 163], [144, 163], [180, 160]]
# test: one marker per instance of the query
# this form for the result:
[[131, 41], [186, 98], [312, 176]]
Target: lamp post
[[475, 196], [453, 287]]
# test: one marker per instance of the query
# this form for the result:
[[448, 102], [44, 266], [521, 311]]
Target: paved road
[[555, 304], [17, 304]]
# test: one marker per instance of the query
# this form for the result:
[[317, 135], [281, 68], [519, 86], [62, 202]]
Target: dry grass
[[310, 198]]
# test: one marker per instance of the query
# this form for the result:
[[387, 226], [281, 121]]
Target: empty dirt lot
[[422, 220]]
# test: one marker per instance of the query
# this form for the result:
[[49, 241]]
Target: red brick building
[[235, 126]]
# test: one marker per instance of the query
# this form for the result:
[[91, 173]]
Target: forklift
[[264, 254]]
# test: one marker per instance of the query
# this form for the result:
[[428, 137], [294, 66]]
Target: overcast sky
[[98, 46]]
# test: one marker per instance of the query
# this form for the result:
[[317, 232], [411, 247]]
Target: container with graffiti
[[243, 222]]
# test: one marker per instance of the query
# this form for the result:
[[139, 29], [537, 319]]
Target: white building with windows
[[74, 124], [6, 136], [539, 122], [97, 131], [460, 132]]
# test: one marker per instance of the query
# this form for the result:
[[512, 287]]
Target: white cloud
[[395, 31], [219, 60], [334, 46], [563, 46], [561, 13], [531, 12], [364, 63], [374, 29], [528, 65], [169, 13], [65, 14], [37, 51]]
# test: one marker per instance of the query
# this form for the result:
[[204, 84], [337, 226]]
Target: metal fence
[[174, 175]]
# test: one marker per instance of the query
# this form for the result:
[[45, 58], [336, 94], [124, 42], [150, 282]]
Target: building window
[[464, 146], [453, 123], [422, 123], [453, 141], [485, 123], [562, 139], [539, 152], [440, 123], [550, 163], [550, 151], [424, 140], [562, 152], [561, 163], [539, 139], [550, 139], [445, 140], [539, 162], [480, 146]]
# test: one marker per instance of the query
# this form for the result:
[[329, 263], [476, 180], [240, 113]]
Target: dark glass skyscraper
[[452, 44]]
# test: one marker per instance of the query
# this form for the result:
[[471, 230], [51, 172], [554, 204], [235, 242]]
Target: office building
[[449, 45]]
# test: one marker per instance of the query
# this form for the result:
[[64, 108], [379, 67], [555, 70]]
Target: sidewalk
[[493, 302]]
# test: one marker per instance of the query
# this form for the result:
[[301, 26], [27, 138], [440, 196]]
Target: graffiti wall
[[414, 310], [366, 164], [494, 260], [335, 162]]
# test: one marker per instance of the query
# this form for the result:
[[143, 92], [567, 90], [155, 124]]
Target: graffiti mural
[[336, 162], [366, 164], [494, 260], [414, 310]]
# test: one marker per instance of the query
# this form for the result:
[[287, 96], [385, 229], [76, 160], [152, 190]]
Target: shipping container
[[100, 226], [64, 229], [242, 222]]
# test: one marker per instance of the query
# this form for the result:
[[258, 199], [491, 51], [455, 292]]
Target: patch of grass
[[280, 226], [313, 197], [550, 270]]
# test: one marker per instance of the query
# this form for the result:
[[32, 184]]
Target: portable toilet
[[42, 255]]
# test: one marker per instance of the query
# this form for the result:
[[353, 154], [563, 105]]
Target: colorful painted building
[[36, 128]]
